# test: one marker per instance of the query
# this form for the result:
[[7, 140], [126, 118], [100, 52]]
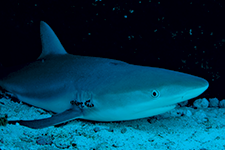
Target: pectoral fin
[[56, 119]]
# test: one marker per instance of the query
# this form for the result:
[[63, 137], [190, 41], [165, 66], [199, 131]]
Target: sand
[[183, 128]]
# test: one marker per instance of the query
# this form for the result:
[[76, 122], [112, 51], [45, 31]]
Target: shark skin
[[92, 88]]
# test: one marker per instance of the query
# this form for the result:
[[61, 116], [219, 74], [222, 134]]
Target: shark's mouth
[[151, 112], [163, 109], [169, 106]]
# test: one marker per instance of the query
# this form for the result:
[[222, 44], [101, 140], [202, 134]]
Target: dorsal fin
[[50, 42]]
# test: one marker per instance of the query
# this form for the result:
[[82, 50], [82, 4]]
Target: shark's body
[[95, 88]]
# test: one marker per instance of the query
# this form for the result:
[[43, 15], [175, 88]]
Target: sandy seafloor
[[183, 128]]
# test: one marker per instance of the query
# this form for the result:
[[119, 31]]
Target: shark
[[94, 88]]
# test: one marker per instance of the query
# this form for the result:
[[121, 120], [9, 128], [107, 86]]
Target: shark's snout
[[196, 91]]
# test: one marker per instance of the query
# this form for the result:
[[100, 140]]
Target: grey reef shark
[[93, 88]]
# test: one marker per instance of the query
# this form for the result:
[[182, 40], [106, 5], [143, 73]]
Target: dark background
[[181, 35]]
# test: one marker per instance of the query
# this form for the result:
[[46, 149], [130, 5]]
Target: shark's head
[[150, 91], [166, 87]]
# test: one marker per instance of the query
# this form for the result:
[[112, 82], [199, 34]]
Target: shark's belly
[[121, 114]]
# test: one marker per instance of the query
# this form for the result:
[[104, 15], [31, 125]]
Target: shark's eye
[[155, 93]]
